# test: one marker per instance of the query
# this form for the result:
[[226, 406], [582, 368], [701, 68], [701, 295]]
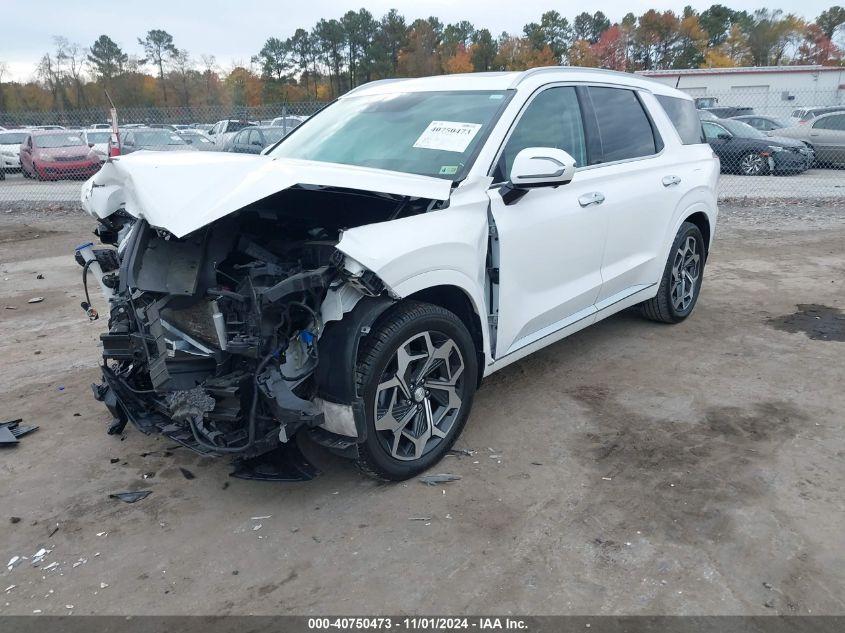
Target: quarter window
[[552, 119], [684, 117], [624, 127]]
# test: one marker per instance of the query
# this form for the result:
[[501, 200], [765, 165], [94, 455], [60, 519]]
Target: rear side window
[[685, 118], [624, 127]]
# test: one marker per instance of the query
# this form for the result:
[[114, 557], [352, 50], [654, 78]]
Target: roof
[[528, 79], [740, 70]]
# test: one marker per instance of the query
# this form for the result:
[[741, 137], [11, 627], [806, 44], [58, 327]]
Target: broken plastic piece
[[7, 438], [36, 300], [286, 463], [130, 497], [433, 480], [187, 474]]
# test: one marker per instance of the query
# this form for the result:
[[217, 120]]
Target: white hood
[[184, 191]]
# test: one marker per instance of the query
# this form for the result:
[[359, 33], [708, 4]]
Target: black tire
[[661, 307], [376, 360]]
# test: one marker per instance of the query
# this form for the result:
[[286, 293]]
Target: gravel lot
[[643, 469]]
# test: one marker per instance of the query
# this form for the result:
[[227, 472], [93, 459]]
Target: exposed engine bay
[[239, 335]]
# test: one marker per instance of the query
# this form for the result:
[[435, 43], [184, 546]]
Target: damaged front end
[[239, 335]]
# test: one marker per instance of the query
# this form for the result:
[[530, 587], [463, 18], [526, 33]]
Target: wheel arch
[[700, 219], [458, 302]]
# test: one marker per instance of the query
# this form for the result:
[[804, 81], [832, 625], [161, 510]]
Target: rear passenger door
[[641, 187]]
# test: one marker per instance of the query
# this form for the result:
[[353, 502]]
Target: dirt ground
[[642, 469]]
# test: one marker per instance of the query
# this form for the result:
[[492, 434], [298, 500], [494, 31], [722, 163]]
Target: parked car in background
[[98, 140], [805, 115], [152, 140], [745, 150], [51, 155], [202, 127], [355, 283], [223, 131], [824, 134], [726, 112], [10, 149], [765, 123], [48, 127], [704, 115], [252, 140], [288, 123], [197, 139], [173, 127], [100, 126]]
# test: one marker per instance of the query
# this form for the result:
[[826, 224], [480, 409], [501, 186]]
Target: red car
[[50, 155]]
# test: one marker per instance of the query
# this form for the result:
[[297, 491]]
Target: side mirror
[[90, 145], [541, 166], [724, 136]]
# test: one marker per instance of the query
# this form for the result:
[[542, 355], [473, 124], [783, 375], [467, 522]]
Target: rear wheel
[[681, 281], [417, 373]]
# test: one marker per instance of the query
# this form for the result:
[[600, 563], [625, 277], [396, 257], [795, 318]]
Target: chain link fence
[[774, 146]]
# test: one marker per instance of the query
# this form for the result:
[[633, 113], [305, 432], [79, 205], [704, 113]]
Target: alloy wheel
[[751, 164], [420, 394], [686, 269]]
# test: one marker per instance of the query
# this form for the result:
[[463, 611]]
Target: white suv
[[357, 282]]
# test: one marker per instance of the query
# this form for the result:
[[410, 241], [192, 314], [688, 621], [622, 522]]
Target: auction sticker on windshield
[[448, 136]]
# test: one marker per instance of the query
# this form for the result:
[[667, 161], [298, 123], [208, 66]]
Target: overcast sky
[[234, 31]]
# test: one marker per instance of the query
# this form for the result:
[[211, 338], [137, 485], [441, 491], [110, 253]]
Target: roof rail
[[547, 69], [373, 83]]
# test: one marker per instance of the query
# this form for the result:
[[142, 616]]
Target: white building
[[775, 90]]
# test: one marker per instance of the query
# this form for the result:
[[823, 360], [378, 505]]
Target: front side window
[[552, 119], [684, 117], [426, 133], [712, 131], [624, 127]]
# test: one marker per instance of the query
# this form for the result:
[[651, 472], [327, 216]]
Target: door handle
[[591, 198], [814, 133], [669, 181]]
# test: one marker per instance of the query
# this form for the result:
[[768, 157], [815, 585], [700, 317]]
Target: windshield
[[158, 138], [13, 138], [98, 137], [235, 126], [742, 130], [426, 133], [196, 138], [57, 140]]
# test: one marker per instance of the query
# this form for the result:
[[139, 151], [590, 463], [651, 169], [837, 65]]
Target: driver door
[[551, 240]]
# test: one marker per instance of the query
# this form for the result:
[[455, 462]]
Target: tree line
[[336, 55]]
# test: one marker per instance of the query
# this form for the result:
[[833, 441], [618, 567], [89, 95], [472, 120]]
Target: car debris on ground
[[443, 478], [11, 430], [130, 496], [36, 300]]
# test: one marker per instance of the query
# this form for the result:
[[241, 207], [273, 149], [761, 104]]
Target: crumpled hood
[[182, 192]]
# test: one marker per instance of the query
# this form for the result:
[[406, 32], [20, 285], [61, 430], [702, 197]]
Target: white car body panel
[[184, 191], [562, 266], [10, 155]]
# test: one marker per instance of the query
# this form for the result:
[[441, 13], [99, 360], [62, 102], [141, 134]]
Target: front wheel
[[681, 281], [417, 373], [752, 164]]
